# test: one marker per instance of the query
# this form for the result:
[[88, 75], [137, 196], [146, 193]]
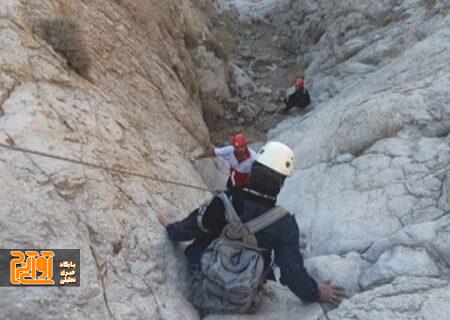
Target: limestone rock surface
[[346, 270], [243, 82], [111, 83], [278, 303], [249, 10], [404, 298], [373, 156], [120, 83]]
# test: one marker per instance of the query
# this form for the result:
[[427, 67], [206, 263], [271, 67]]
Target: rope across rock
[[102, 167]]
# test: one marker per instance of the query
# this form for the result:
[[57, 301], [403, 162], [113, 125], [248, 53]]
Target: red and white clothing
[[239, 171]]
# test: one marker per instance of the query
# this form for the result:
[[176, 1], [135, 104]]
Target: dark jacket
[[282, 237], [300, 98]]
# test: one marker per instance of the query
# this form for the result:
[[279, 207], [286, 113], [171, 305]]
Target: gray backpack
[[232, 267]]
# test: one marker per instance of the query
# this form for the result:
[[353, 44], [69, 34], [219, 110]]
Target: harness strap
[[266, 219], [256, 224], [230, 214], [248, 246]]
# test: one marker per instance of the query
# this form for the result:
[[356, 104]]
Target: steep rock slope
[[370, 190], [109, 82]]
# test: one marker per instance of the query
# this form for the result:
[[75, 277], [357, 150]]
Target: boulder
[[402, 261], [245, 86], [336, 268], [405, 298], [213, 74], [249, 110]]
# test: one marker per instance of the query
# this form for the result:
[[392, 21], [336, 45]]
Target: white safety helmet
[[276, 156]]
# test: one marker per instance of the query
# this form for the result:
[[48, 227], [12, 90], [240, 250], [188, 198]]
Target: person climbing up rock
[[300, 98], [208, 225], [240, 157]]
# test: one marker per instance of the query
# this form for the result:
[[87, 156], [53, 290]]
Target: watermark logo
[[46, 267], [32, 268]]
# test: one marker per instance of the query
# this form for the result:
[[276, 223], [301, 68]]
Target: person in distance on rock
[[300, 98], [240, 157], [274, 163]]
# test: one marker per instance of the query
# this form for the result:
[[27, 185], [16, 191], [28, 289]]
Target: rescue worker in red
[[300, 98], [240, 157]]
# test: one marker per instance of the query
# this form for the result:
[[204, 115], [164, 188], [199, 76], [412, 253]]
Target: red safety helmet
[[239, 140], [299, 83]]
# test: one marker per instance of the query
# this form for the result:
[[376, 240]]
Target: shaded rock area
[[263, 69]]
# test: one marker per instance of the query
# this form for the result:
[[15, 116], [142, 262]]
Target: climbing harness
[[102, 167]]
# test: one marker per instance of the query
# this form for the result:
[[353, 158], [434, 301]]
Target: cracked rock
[[402, 261], [406, 298], [246, 87]]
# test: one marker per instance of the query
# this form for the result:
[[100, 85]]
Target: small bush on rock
[[63, 36]]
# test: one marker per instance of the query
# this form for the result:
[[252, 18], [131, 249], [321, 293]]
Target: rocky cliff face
[[370, 191], [124, 84], [114, 83]]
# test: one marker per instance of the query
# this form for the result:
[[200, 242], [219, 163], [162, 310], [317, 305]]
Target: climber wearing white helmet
[[273, 164]]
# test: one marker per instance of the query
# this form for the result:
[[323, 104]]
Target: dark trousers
[[230, 187]]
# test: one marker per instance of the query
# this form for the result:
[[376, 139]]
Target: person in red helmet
[[240, 157], [300, 98]]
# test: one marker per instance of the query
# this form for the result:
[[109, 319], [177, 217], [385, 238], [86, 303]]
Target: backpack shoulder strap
[[266, 219], [230, 214]]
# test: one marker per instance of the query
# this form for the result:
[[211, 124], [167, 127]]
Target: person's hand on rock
[[330, 293], [163, 220], [194, 158]]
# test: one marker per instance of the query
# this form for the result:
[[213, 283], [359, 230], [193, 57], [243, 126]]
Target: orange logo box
[[29, 267], [24, 269]]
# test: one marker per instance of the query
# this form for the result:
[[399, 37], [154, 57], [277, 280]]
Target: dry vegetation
[[226, 30], [297, 71], [191, 37], [64, 37]]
